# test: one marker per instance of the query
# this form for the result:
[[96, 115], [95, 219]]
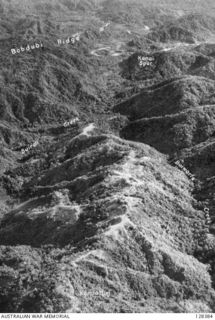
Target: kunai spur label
[[145, 61]]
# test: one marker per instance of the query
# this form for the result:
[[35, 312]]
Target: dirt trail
[[113, 50], [184, 44]]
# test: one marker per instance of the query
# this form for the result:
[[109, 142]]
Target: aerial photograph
[[107, 158]]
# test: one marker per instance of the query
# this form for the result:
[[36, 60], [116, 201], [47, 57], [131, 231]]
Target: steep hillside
[[104, 231], [171, 62], [187, 28], [169, 97]]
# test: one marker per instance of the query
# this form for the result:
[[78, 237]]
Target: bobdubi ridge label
[[28, 48]]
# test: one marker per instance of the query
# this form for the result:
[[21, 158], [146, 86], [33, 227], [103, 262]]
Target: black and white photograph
[[107, 159]]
